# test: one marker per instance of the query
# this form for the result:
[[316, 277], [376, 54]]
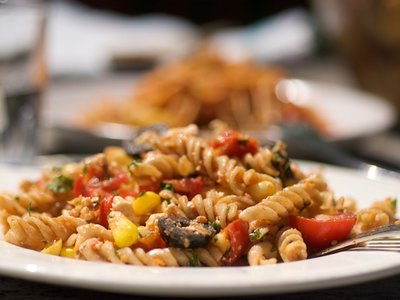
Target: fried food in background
[[202, 88]]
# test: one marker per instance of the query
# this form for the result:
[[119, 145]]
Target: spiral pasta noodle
[[291, 245], [291, 200], [40, 201], [94, 249], [263, 253], [35, 232], [261, 162]]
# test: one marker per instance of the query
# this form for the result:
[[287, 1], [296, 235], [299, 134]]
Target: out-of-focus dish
[[348, 113], [202, 88], [329, 271]]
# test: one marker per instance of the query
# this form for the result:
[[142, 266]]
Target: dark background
[[201, 11]]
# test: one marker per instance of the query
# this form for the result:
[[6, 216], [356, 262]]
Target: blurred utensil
[[304, 143]]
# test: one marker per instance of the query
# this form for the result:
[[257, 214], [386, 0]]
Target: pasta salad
[[185, 201]]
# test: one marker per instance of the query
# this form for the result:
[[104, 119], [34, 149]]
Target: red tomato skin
[[115, 182], [232, 144], [187, 186], [79, 187], [153, 241], [320, 234], [105, 207], [238, 234]]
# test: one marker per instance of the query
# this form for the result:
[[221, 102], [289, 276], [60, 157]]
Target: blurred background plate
[[65, 100]]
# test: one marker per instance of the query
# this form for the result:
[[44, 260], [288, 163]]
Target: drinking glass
[[22, 78]]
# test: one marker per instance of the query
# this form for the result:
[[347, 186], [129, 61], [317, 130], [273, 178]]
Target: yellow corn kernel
[[146, 203], [68, 252], [261, 190], [125, 233], [221, 242], [53, 249]]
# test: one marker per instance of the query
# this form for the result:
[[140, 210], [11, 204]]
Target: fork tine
[[396, 249], [385, 238]]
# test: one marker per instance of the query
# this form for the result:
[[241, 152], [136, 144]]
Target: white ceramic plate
[[335, 270], [349, 113]]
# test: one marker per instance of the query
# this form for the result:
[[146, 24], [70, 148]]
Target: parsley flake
[[167, 186], [256, 235], [60, 184], [194, 260], [394, 203], [29, 208], [216, 225]]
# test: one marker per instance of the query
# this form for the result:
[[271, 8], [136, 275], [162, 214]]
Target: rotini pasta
[[186, 201]]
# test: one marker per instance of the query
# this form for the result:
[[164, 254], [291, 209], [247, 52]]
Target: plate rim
[[40, 273]]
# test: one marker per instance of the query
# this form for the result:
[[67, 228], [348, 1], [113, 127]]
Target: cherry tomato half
[[105, 207], [323, 230], [187, 186], [232, 143], [115, 182], [153, 241], [238, 234]]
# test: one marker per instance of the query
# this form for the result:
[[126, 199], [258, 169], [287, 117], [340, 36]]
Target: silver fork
[[386, 238]]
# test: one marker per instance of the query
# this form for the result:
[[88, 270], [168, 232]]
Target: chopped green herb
[[394, 203], [56, 169], [228, 208], [17, 198], [137, 158], [168, 201], [85, 169], [281, 162], [256, 235], [60, 184], [142, 193], [167, 186], [194, 260], [29, 208], [134, 163], [216, 225], [273, 248]]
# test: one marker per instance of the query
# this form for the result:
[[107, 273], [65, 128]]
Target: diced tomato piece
[[105, 208], [187, 186], [232, 143], [95, 171], [85, 187], [124, 192], [115, 182], [238, 234], [79, 186], [153, 241], [323, 230]]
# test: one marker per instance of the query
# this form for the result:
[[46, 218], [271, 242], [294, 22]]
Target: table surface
[[11, 289]]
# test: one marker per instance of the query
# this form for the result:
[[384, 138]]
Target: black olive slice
[[184, 232]]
